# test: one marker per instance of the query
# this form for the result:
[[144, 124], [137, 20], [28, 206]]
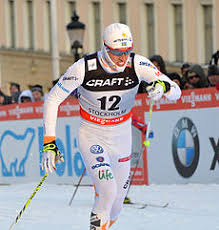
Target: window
[[97, 25], [12, 23], [30, 25], [208, 32], [122, 12], [178, 32], [150, 29]]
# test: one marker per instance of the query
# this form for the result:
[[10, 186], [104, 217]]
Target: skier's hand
[[157, 89], [51, 155]]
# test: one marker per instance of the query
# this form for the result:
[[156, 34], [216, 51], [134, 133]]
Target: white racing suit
[[106, 98]]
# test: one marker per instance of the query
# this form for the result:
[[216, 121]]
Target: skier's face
[[119, 60]]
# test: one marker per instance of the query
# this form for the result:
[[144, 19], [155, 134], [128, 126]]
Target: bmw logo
[[185, 147], [96, 149]]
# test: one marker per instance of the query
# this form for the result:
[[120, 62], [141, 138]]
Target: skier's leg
[[122, 176], [121, 163], [95, 154]]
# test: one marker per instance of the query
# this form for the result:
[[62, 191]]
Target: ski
[[154, 205], [144, 205]]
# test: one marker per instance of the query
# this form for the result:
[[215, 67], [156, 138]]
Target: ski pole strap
[[50, 146], [165, 85]]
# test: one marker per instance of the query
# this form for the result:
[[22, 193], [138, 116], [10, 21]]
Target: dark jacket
[[199, 71]]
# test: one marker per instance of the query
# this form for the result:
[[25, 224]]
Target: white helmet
[[118, 36]]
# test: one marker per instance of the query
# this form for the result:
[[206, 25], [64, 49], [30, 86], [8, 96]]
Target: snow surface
[[191, 207]]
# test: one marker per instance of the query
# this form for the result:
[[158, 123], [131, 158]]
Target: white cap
[[118, 36]]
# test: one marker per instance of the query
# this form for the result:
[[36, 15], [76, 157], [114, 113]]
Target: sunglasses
[[118, 52], [193, 76]]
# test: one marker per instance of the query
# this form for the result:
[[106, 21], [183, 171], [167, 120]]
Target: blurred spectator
[[37, 92], [7, 99], [187, 85], [213, 75], [15, 92], [176, 78], [25, 96], [14, 87], [196, 77], [214, 58], [184, 69], [2, 98], [158, 61]]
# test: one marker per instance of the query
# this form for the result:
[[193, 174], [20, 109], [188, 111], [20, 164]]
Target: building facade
[[179, 30]]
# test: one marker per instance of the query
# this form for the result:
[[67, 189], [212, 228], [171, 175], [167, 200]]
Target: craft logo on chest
[[116, 81]]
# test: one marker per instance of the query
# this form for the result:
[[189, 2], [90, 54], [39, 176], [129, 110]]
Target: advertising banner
[[184, 149], [21, 143]]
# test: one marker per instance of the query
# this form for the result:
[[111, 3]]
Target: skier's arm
[[146, 71], [68, 82]]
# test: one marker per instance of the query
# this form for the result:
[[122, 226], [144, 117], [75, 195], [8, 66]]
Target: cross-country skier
[[107, 83]]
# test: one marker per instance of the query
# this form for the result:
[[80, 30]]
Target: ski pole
[[146, 143], [28, 201], [79, 182]]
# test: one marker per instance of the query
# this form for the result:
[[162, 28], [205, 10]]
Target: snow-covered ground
[[191, 207]]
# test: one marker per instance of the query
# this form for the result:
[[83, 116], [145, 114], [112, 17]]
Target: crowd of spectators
[[35, 93], [192, 76]]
